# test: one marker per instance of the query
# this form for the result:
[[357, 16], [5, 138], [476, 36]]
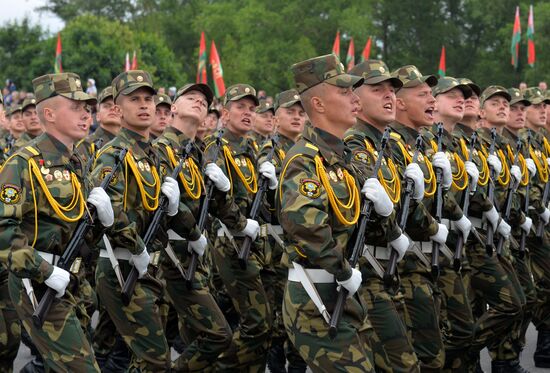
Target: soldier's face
[[450, 105], [471, 106], [547, 115], [264, 123], [536, 115], [495, 111], [516, 119], [377, 103], [30, 118], [68, 120], [163, 119], [340, 106], [291, 120], [417, 104], [211, 122], [193, 105], [106, 113], [16, 122], [239, 116], [137, 109]]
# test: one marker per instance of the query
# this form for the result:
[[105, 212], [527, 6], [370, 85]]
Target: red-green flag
[[134, 62], [201, 69], [217, 71], [127, 62], [336, 45], [366, 51], [531, 38], [58, 68], [442, 66], [516, 38], [350, 57]]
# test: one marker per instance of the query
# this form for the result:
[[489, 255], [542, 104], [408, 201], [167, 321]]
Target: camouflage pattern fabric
[[10, 328], [128, 81], [67, 85]]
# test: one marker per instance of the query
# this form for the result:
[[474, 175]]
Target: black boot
[[119, 357], [276, 360], [507, 366], [542, 353]]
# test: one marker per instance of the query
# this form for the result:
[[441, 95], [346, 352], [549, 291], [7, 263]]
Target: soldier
[[33, 127], [377, 95], [263, 124], [135, 195], [205, 330], [163, 115], [318, 216], [37, 181], [471, 104], [17, 128], [236, 159]]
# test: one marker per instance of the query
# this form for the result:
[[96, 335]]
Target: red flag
[[366, 51], [58, 68], [201, 68], [531, 38], [127, 62], [350, 58], [217, 71], [442, 67], [336, 45], [516, 39], [134, 62]]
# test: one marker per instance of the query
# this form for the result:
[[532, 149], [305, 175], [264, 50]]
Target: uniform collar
[[134, 141], [238, 144], [331, 147], [173, 137]]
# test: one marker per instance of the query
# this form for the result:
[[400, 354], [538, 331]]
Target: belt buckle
[[75, 267], [155, 258]]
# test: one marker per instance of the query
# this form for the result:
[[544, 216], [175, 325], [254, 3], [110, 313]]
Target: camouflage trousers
[[251, 339], [204, 328], [10, 328], [421, 313], [349, 351], [392, 348], [139, 323], [540, 264], [105, 333], [61, 340]]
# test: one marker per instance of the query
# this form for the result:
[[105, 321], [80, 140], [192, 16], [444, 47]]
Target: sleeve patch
[[10, 194], [310, 188], [105, 171]]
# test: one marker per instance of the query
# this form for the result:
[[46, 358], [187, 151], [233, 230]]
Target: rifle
[[256, 204], [405, 202], [151, 232], [73, 246], [526, 205], [489, 242], [509, 197], [540, 225], [203, 215], [438, 203], [90, 162], [359, 242]]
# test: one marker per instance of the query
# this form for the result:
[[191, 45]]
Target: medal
[[147, 166], [67, 175], [49, 177], [243, 161], [238, 162], [332, 175], [58, 175], [44, 170], [340, 173], [141, 166]]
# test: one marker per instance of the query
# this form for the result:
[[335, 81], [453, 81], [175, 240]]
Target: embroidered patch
[[105, 171], [362, 156], [310, 188], [10, 194]]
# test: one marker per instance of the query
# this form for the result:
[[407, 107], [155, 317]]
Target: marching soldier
[[318, 212], [263, 124], [33, 127], [17, 129], [163, 115]]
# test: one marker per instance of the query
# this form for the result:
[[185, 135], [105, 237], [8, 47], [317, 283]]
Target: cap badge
[[77, 83], [381, 69], [139, 78], [296, 97], [246, 90]]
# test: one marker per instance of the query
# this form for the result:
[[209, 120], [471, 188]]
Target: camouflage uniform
[[139, 323], [317, 239], [61, 340]]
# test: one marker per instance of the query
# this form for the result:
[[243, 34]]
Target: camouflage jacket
[[21, 142], [34, 180], [537, 152], [89, 146]]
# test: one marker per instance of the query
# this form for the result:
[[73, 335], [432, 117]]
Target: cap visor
[[431, 80], [466, 90], [135, 87], [80, 96], [475, 88], [202, 88], [345, 81], [290, 103], [524, 101], [237, 98], [396, 83]]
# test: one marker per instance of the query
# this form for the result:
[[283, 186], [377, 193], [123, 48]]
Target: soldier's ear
[[317, 104], [117, 110], [400, 104], [174, 110], [482, 114], [49, 114]]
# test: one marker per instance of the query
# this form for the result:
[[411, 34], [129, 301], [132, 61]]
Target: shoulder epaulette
[[395, 136], [310, 150]]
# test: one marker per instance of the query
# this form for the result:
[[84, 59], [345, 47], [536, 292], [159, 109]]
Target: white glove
[[504, 229], [464, 225], [100, 199], [414, 173], [531, 167], [516, 174], [352, 283], [375, 192], [214, 173], [400, 244], [141, 261], [473, 172], [548, 161], [267, 170], [441, 235], [492, 217], [199, 246], [527, 224], [252, 229], [545, 216], [441, 161], [171, 190], [493, 161], [58, 281]]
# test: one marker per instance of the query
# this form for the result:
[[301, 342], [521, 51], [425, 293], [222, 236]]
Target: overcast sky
[[17, 9]]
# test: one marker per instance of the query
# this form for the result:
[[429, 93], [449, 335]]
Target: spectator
[[172, 92], [161, 91], [91, 88], [522, 86], [543, 86]]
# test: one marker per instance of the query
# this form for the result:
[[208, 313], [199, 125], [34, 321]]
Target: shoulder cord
[[542, 165], [522, 165], [145, 196], [194, 186], [393, 185], [250, 183]]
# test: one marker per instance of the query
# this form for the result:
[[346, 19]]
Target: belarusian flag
[[336, 45], [57, 64], [217, 71], [366, 51], [127, 62], [442, 66], [531, 38], [201, 68], [134, 62], [350, 58], [516, 38]]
